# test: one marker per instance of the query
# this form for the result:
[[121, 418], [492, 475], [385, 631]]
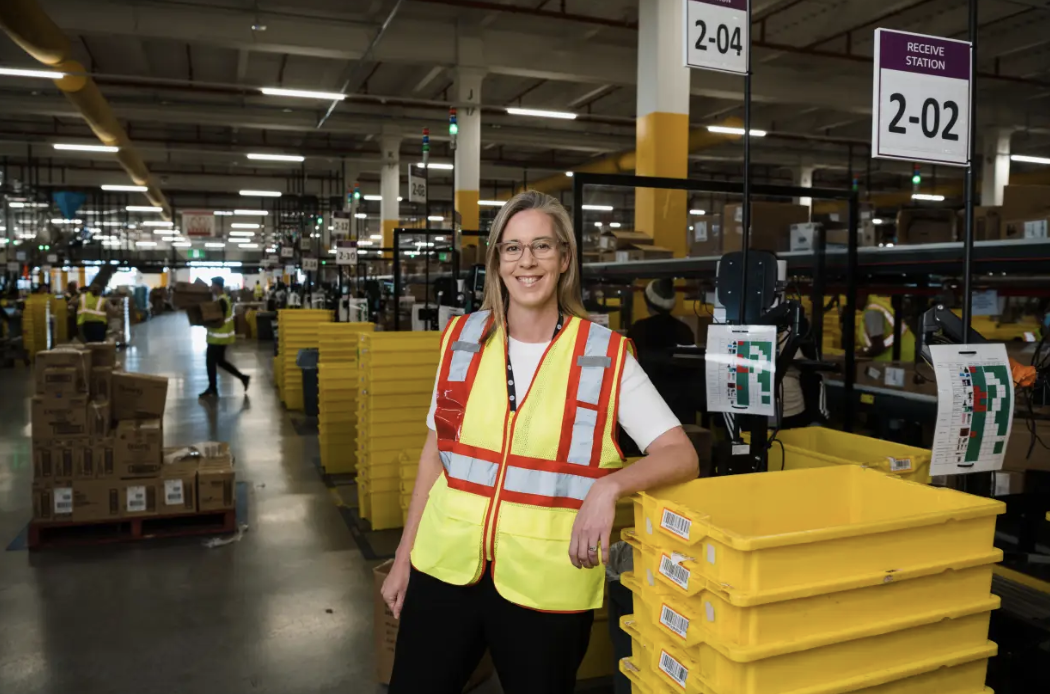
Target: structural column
[[663, 122], [804, 179], [996, 170], [468, 150], [390, 185]]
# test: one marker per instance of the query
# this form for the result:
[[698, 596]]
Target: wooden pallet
[[68, 534]]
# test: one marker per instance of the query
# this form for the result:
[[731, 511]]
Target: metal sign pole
[[970, 179], [745, 239]]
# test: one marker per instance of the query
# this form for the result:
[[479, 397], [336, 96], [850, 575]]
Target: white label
[[873, 373], [673, 669], [20, 255], [985, 303], [679, 525], [739, 217], [674, 621], [716, 35], [13, 267], [1029, 337], [136, 499], [679, 575], [900, 464], [701, 231], [310, 264], [1035, 230], [894, 377], [417, 187], [52, 257], [63, 500], [648, 526], [710, 554], [921, 98], [709, 609], [287, 252], [173, 495], [304, 244], [346, 256], [741, 449]]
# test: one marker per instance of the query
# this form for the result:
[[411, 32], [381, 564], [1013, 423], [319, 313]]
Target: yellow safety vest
[[513, 481], [883, 306], [87, 315], [258, 291], [226, 335]]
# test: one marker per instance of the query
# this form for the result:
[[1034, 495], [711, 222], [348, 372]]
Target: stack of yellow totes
[[337, 395], [58, 312], [396, 382], [35, 324], [835, 579], [297, 330], [408, 468]]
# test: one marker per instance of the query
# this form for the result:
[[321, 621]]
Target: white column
[[390, 183], [995, 172], [468, 148], [804, 179]]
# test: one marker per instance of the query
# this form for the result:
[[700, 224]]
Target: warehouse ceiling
[[184, 76]]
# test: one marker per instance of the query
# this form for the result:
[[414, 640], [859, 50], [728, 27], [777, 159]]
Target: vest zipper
[[490, 521]]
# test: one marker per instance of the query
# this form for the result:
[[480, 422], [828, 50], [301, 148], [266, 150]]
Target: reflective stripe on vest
[[473, 470], [468, 344], [226, 333], [544, 483], [87, 315], [592, 364]]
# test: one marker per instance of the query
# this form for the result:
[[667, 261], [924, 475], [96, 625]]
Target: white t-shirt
[[643, 414]]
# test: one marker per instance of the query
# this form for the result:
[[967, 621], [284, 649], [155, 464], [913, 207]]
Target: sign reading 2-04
[[921, 101], [716, 35]]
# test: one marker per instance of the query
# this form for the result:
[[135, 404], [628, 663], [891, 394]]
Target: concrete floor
[[287, 609]]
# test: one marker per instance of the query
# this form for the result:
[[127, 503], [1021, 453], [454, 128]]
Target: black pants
[[445, 630], [215, 357], [94, 331]]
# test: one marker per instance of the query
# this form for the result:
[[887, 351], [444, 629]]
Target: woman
[[520, 474]]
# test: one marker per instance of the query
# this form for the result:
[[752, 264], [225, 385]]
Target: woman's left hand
[[593, 526]]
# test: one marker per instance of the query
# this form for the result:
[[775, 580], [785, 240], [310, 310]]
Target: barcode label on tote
[[676, 573], [136, 499], [672, 522], [674, 669], [900, 464], [173, 495], [674, 621], [63, 500]]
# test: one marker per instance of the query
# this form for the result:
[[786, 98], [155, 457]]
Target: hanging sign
[[52, 257], [975, 408], [13, 267], [304, 244], [287, 252], [921, 100], [340, 226], [417, 187], [310, 264], [200, 223], [346, 256], [741, 365], [716, 35]]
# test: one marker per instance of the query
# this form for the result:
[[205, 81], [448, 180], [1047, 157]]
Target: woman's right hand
[[395, 585]]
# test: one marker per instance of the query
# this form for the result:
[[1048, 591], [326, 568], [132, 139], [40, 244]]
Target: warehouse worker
[[655, 338], [91, 315], [220, 336], [519, 477], [875, 331], [258, 291]]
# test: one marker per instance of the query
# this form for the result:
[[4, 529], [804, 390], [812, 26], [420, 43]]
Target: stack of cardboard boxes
[[196, 300], [98, 445]]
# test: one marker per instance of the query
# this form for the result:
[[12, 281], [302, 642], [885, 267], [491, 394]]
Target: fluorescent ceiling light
[[439, 238], [247, 213], [275, 157], [1029, 160], [364, 243], [564, 115], [361, 215], [242, 233], [331, 251], [87, 148], [598, 208], [146, 244], [157, 223], [181, 244], [569, 174], [111, 224], [438, 165], [166, 232], [374, 198], [614, 225], [125, 189], [878, 221], [19, 72], [734, 131], [598, 224], [142, 208], [33, 205], [215, 244], [261, 193], [926, 196], [303, 94], [223, 213], [247, 245], [492, 203], [271, 250], [67, 221], [435, 218], [244, 225], [697, 213], [377, 237]]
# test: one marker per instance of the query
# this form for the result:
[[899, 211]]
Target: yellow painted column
[[163, 280], [65, 279], [662, 130], [390, 185], [468, 151], [81, 277]]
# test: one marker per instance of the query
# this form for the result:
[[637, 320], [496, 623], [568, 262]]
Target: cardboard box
[[103, 354], [1026, 229], [618, 240], [706, 237], [385, 628], [643, 253], [1017, 457], [770, 225], [205, 313], [100, 384], [188, 294], [62, 382], [138, 497], [177, 485], [987, 223], [104, 457], [55, 461], [138, 396], [58, 419], [804, 237], [84, 466], [915, 226], [138, 448], [1026, 202], [77, 501], [62, 358], [215, 485]]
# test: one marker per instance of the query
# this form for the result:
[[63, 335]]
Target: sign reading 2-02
[[716, 35], [921, 101]]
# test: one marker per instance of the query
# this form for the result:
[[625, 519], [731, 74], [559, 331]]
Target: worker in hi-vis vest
[[221, 335], [91, 315], [875, 331], [518, 480], [258, 292]]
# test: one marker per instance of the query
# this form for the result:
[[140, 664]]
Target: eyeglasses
[[541, 249]]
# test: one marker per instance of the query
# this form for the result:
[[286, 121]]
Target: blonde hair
[[568, 292]]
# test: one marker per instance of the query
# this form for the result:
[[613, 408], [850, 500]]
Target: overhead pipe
[[32, 29]]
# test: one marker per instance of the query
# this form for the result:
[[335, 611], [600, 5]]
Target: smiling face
[[531, 282]]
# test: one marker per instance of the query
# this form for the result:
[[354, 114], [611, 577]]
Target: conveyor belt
[[1023, 596]]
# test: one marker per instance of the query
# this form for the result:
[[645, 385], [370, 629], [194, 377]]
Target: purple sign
[[926, 55], [731, 4]]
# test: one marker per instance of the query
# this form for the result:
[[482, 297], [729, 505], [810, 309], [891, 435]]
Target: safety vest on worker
[[91, 315], [885, 308], [514, 481], [226, 335], [258, 292]]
